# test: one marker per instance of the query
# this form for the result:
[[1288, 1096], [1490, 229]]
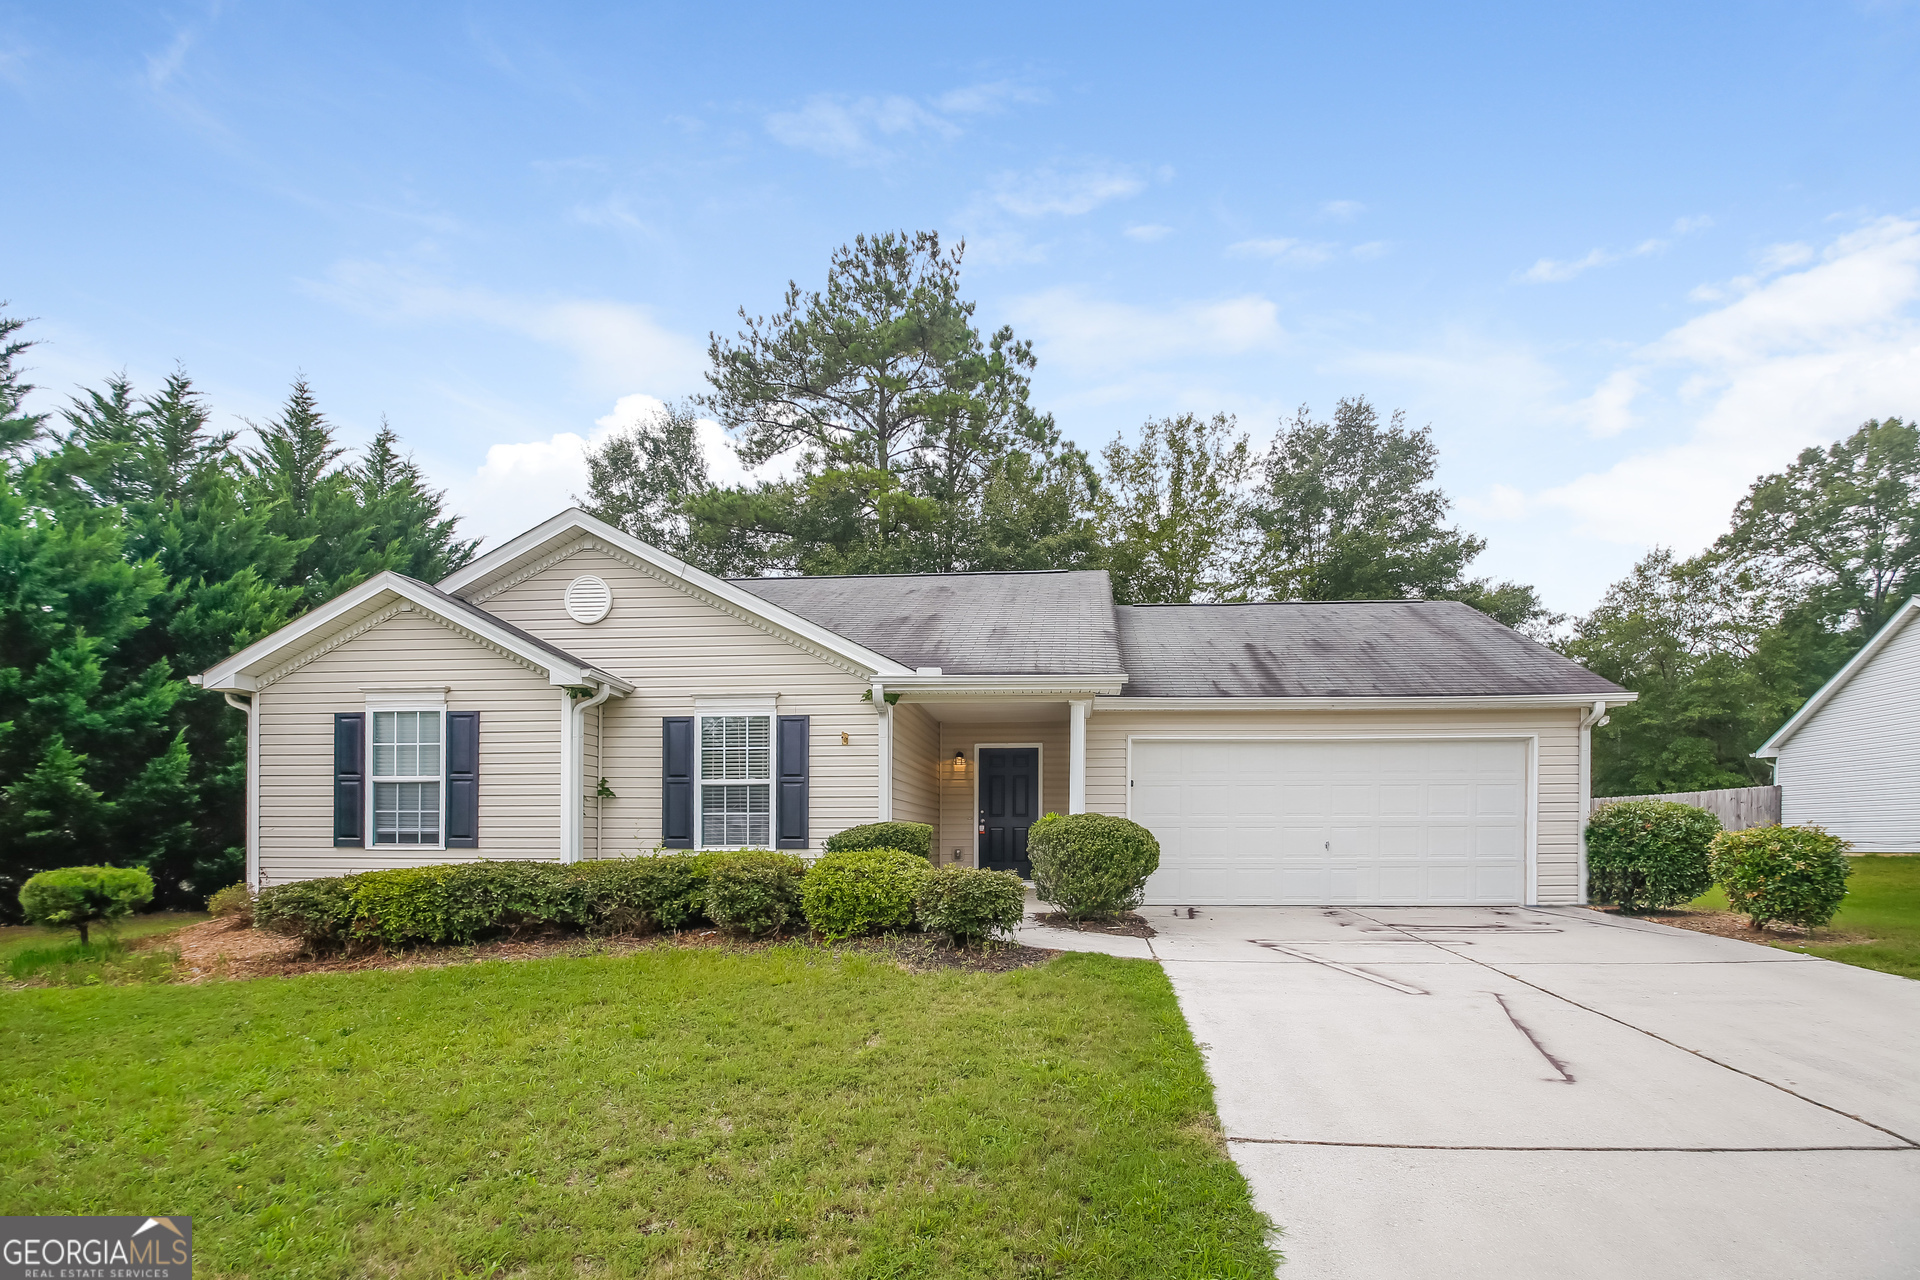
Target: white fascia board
[[1517, 702], [575, 522], [1770, 749], [237, 674], [926, 688]]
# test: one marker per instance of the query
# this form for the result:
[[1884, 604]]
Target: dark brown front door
[[1009, 802]]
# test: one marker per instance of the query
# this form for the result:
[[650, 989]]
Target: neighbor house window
[[736, 781], [406, 777]]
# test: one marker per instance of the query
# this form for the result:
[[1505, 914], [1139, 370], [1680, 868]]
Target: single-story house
[[1849, 759], [577, 693]]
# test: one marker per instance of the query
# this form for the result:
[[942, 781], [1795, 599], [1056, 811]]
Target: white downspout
[[253, 786], [1077, 713], [1588, 719], [885, 751], [572, 769]]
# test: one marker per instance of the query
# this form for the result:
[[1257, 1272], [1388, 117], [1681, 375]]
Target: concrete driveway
[[1460, 1092]]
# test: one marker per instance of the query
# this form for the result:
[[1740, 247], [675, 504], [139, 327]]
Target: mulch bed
[[1126, 924], [234, 949], [1731, 924]]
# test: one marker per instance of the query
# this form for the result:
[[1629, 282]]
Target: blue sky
[[1621, 257]]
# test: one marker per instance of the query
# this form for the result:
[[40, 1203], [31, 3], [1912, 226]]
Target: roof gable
[[1860, 661]]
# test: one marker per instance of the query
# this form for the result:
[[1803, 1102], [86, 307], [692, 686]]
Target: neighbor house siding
[[1854, 767], [519, 748], [675, 648], [1560, 805], [916, 752], [959, 806]]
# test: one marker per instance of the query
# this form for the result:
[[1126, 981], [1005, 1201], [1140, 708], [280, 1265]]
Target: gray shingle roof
[[1338, 649], [1007, 624]]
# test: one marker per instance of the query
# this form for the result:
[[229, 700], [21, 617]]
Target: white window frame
[[715, 708], [408, 700]]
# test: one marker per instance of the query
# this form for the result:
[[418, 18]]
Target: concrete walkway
[[1509, 1092]]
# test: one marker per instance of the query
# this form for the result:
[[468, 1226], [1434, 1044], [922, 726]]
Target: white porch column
[[885, 751], [1588, 720], [1077, 713]]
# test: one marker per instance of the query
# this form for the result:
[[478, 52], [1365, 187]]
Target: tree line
[[140, 543]]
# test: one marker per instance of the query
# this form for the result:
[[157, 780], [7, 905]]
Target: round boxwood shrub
[[1091, 864], [754, 892], [967, 905], [1795, 874], [1644, 854], [911, 837], [862, 891], [81, 897]]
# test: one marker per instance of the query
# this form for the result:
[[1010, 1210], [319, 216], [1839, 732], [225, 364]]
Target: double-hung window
[[408, 803], [736, 781]]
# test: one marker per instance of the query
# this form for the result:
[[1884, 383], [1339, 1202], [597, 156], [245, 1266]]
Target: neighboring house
[[1849, 760], [579, 694]]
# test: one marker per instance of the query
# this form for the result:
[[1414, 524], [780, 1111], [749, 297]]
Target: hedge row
[[751, 892], [1648, 854]]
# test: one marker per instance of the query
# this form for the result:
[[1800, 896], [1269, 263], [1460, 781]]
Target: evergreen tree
[[18, 429]]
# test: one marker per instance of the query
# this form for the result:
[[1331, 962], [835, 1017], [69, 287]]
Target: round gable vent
[[588, 599]]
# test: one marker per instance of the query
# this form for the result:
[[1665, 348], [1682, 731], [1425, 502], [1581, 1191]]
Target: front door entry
[[1009, 802]]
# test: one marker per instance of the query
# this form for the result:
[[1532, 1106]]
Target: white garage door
[[1302, 822]]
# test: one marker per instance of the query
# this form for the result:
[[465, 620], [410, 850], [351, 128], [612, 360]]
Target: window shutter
[[676, 782], [790, 806], [463, 780], [349, 779]]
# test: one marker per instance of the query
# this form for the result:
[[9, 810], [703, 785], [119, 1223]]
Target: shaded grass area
[[664, 1113], [1882, 902], [57, 956]]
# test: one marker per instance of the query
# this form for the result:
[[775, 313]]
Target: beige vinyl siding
[[1854, 767], [1558, 813], [675, 648], [519, 748], [916, 755], [959, 807]]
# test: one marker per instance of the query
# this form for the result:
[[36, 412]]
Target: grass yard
[[1883, 903], [56, 955], [663, 1113]]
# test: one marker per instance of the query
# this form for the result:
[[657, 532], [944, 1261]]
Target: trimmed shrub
[[318, 912], [672, 888], [968, 906], [908, 837], [234, 900], [615, 895], [862, 891], [1644, 854], [754, 892], [1795, 874], [462, 902], [1091, 864], [81, 897]]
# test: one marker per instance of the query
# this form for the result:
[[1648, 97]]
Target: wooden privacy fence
[[1737, 807]]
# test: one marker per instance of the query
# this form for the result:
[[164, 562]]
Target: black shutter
[[349, 778], [676, 782], [790, 803], [463, 780]]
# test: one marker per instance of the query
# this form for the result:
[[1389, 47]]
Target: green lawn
[[56, 955], [1883, 903], [664, 1113]]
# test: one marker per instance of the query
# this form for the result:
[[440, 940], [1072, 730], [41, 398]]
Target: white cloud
[[162, 67], [617, 344], [1502, 503], [522, 483], [1040, 192], [851, 129], [1293, 253], [1342, 210], [1553, 271], [1148, 232], [1741, 389], [981, 99], [1092, 334], [1372, 249]]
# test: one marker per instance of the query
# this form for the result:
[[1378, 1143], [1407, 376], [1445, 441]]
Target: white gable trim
[[1770, 749], [572, 530], [321, 631]]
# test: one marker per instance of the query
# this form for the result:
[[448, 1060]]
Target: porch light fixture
[[959, 764]]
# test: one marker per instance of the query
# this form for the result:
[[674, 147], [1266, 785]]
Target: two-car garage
[[1441, 821]]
